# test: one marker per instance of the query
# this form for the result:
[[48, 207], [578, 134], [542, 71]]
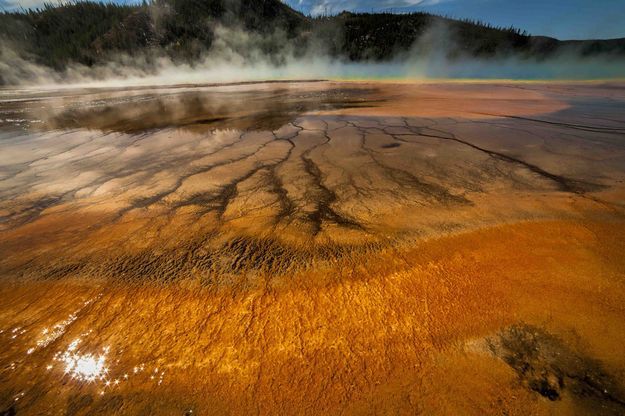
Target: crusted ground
[[306, 248]]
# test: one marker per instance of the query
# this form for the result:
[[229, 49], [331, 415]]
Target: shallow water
[[311, 247]]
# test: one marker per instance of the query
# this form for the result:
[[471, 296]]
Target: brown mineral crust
[[315, 248]]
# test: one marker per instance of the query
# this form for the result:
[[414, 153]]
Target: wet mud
[[547, 366]]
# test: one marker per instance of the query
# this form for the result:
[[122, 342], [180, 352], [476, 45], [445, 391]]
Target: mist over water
[[236, 55], [209, 71]]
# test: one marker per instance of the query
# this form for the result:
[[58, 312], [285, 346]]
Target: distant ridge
[[185, 30]]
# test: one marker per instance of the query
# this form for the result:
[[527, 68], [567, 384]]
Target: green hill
[[185, 30]]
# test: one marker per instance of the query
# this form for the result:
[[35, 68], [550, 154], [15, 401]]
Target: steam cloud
[[236, 55]]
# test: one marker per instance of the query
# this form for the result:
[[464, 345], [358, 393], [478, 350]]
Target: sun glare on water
[[84, 367]]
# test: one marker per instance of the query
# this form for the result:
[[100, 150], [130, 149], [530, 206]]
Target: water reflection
[[51, 334], [262, 107], [84, 367]]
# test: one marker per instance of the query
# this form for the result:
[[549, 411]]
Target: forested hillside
[[184, 30]]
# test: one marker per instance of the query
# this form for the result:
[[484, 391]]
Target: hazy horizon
[[564, 20]]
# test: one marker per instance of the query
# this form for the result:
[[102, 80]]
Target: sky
[[563, 19]]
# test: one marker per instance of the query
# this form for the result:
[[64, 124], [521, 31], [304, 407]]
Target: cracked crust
[[316, 248]]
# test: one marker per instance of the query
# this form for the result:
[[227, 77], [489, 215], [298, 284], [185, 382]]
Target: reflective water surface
[[313, 248]]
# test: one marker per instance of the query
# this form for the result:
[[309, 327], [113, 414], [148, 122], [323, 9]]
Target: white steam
[[236, 55]]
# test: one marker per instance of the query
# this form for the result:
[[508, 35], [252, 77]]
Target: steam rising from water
[[168, 73], [236, 56]]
